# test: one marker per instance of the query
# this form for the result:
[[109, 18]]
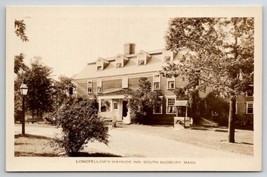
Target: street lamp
[[23, 91]]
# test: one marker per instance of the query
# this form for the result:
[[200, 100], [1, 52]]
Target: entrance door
[[124, 108], [116, 110]]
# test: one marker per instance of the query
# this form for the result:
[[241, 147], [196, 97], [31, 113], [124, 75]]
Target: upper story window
[[89, 87], [171, 83], [250, 92], [118, 65], [99, 86], [121, 61], [142, 58], [167, 56], [249, 107], [156, 82], [101, 64], [125, 82]]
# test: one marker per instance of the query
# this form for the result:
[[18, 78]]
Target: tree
[[61, 89], [142, 100], [39, 99], [80, 124], [220, 56], [19, 65]]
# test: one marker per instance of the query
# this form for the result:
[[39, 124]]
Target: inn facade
[[108, 78]]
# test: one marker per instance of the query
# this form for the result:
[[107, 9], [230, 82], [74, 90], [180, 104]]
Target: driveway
[[127, 143]]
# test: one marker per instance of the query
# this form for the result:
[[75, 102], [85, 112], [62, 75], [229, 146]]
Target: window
[[99, 86], [142, 58], [115, 105], [156, 82], [89, 87], [171, 83], [141, 62], [250, 92], [118, 65], [125, 82], [170, 106], [167, 56], [157, 108], [105, 105], [99, 68], [249, 107]]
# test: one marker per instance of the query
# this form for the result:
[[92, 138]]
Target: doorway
[[124, 108]]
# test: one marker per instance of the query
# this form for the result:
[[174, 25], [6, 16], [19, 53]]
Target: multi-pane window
[[156, 82], [249, 107], [89, 87], [99, 86], [170, 106], [171, 83]]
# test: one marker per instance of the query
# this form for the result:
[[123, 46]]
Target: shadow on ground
[[85, 154]]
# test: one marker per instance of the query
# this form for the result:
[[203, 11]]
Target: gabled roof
[[89, 72]]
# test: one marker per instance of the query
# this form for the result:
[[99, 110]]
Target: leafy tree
[[142, 100], [19, 65], [80, 124], [220, 56], [39, 97], [61, 89]]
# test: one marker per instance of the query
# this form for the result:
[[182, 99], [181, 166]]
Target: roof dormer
[[167, 56], [143, 57], [121, 61], [101, 64]]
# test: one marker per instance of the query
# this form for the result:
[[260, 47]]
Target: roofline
[[111, 59], [90, 78]]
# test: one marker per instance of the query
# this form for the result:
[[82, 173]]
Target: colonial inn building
[[107, 78]]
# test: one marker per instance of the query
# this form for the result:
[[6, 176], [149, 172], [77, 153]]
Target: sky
[[68, 38]]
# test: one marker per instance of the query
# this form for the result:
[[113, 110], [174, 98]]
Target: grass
[[35, 146], [41, 146]]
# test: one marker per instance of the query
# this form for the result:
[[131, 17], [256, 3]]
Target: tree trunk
[[231, 120]]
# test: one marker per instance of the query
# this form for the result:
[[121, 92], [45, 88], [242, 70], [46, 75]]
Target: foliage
[[220, 55], [20, 28], [60, 90], [217, 108], [19, 65], [142, 100], [80, 123], [39, 97]]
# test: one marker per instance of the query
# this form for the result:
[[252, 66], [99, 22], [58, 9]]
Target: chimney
[[129, 48]]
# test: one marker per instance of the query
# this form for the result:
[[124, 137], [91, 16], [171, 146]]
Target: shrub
[[80, 124]]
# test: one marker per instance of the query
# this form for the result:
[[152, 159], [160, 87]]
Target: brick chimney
[[129, 48]]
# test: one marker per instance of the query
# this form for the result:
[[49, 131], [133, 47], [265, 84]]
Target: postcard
[[133, 88]]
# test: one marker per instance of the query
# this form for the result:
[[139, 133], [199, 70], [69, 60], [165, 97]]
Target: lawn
[[35, 146]]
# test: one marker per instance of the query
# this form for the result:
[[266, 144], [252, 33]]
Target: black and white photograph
[[134, 88]]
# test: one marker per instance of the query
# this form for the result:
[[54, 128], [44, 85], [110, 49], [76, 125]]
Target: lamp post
[[23, 91]]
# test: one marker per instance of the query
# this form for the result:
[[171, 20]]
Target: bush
[[80, 123]]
